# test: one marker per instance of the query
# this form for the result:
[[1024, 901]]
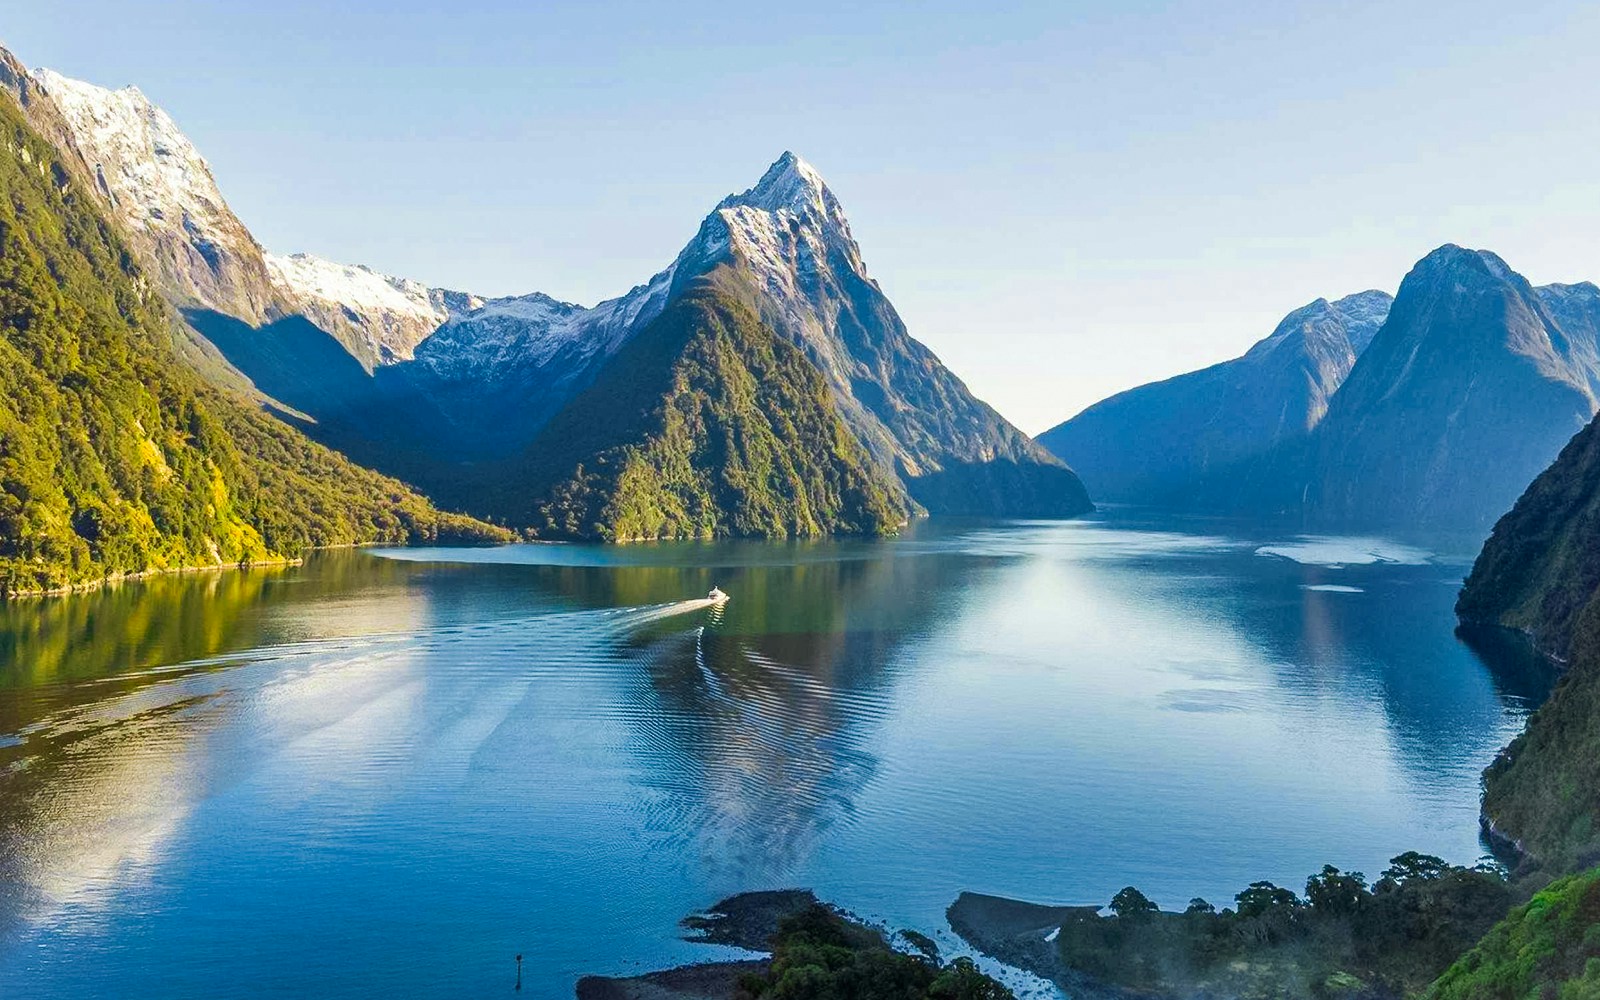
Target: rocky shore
[[748, 921]]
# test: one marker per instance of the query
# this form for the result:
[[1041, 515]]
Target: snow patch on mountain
[[152, 173], [502, 335], [392, 315]]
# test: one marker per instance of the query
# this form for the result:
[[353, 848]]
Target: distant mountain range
[[449, 390], [1468, 391], [1152, 444], [1429, 411]]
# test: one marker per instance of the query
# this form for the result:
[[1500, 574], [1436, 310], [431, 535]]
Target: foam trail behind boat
[[645, 615]]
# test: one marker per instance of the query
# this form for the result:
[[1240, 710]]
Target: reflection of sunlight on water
[[1087, 540], [113, 799], [93, 791], [357, 714]]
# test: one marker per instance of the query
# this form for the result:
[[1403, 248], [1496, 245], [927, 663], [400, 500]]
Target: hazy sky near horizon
[[1062, 199]]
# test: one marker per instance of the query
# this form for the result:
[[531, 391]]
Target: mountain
[[1150, 443], [440, 386], [1466, 393], [522, 359], [1539, 574], [115, 457], [955, 454], [379, 318], [156, 185], [1431, 411], [705, 424], [153, 180]]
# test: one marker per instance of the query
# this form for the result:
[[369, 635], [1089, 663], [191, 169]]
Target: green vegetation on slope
[[705, 425], [114, 457], [1539, 573], [1546, 949], [819, 955], [1342, 938]]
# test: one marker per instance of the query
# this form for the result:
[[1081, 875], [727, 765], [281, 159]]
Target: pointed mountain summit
[[789, 235], [792, 184], [1153, 443], [1468, 391], [786, 243]]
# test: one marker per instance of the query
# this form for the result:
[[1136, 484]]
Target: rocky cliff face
[[1467, 392], [1153, 443], [1539, 573], [158, 187], [46, 119]]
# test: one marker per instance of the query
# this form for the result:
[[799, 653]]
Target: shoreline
[[748, 921], [1018, 933], [116, 579]]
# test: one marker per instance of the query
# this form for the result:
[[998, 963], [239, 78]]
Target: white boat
[[717, 597]]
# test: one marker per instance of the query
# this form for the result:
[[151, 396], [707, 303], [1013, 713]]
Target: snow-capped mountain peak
[[162, 192], [790, 183], [152, 173], [791, 191]]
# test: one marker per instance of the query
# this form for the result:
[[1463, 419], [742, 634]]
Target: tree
[[961, 980], [1333, 891], [1264, 898], [1412, 866], [1131, 904], [1198, 905]]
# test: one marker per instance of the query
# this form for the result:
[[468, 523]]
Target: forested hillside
[[705, 425], [1539, 573], [1548, 947], [114, 457]]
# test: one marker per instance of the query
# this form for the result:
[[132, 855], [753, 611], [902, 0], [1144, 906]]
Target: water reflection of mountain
[[56, 652], [82, 803], [1225, 630], [1388, 632], [760, 725], [107, 700]]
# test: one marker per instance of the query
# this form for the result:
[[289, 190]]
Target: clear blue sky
[[1063, 199]]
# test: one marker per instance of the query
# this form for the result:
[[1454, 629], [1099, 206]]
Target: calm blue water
[[389, 773]]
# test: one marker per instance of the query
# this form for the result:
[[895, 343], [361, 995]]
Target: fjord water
[[388, 773]]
